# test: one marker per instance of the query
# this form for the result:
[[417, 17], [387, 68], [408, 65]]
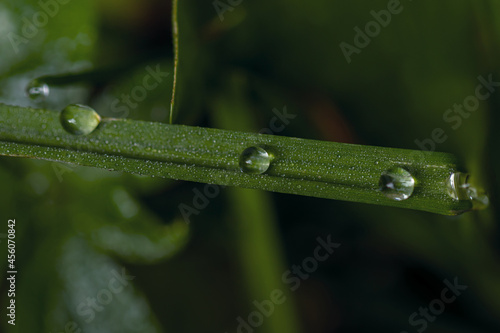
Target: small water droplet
[[37, 90], [397, 184], [79, 119], [255, 160]]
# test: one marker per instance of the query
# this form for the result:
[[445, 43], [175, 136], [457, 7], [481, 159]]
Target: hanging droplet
[[479, 198], [397, 184], [255, 160], [79, 119], [458, 188], [37, 90]]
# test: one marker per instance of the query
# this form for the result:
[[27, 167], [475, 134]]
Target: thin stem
[[175, 35]]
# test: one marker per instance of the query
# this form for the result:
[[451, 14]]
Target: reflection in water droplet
[[37, 90], [458, 188], [397, 184], [479, 198], [255, 160], [79, 119]]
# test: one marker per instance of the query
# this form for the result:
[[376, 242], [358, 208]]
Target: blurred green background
[[100, 251]]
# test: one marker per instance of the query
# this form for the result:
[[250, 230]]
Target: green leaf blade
[[300, 166]]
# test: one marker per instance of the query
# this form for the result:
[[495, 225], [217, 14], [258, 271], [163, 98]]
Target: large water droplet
[[37, 90], [79, 119], [397, 184], [255, 160]]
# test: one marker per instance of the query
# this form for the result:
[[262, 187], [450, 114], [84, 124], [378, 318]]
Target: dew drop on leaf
[[458, 188], [397, 184], [37, 90], [79, 119], [255, 160]]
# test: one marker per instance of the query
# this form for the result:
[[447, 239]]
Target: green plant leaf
[[306, 167]]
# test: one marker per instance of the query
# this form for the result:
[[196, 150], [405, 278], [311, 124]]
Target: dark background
[[76, 227]]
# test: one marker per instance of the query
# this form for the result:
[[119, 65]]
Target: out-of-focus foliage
[[77, 226]]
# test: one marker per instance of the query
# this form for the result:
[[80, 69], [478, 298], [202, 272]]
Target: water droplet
[[79, 119], [37, 90], [255, 160], [458, 188], [479, 199], [397, 184]]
